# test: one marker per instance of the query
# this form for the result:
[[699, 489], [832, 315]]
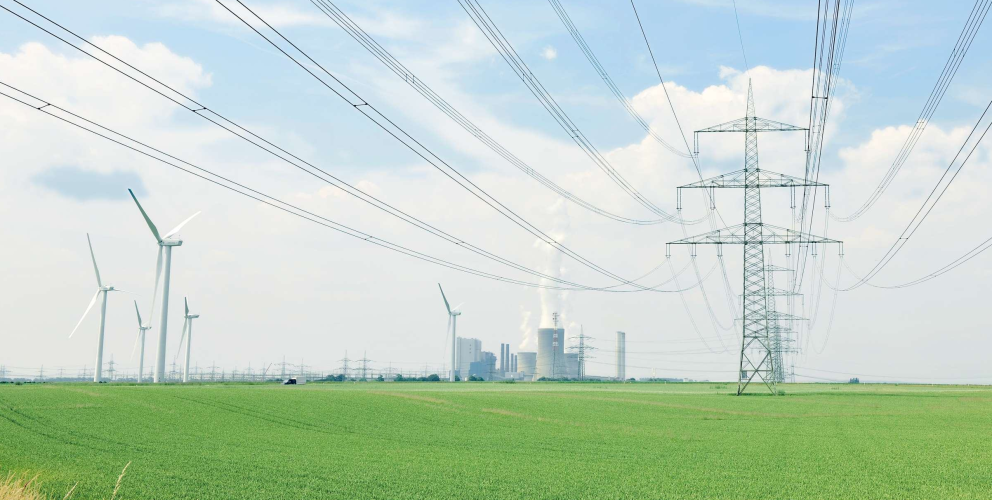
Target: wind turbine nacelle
[[172, 243]]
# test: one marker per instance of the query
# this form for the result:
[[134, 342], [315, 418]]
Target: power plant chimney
[[621, 356]]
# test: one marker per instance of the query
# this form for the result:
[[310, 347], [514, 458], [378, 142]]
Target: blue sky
[[242, 257]]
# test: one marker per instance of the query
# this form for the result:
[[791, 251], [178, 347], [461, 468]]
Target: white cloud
[[549, 53]]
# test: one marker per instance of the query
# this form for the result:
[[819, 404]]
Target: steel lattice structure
[[761, 340]]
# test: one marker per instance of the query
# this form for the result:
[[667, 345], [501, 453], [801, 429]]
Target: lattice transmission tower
[[761, 343]]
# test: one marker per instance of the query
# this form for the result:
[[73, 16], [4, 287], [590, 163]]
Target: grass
[[483, 440]]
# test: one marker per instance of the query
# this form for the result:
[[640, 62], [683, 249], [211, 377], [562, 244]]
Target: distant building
[[527, 364], [572, 365], [485, 368], [466, 352]]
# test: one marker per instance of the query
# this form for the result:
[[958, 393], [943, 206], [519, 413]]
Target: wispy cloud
[[83, 185]]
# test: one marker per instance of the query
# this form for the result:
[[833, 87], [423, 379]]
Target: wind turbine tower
[[101, 293], [188, 337], [453, 315], [142, 328], [165, 244]]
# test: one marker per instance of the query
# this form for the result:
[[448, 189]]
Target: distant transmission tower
[[344, 365], [758, 349], [583, 350], [365, 365]]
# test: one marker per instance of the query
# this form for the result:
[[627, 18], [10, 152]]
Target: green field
[[485, 440]]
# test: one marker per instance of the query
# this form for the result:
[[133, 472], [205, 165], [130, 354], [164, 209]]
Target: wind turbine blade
[[151, 225], [458, 308], [158, 274], [136, 311], [180, 226], [96, 269], [186, 302], [136, 339], [445, 298], [92, 301], [183, 338]]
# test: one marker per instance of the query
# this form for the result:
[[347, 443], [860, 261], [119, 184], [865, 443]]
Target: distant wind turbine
[[453, 315], [165, 245], [100, 290], [188, 337], [140, 339]]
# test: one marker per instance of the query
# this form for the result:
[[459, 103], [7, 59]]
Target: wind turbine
[[453, 326], [165, 244], [140, 338], [187, 324], [104, 290]]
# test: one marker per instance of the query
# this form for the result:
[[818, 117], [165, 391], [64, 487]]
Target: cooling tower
[[527, 364], [550, 356]]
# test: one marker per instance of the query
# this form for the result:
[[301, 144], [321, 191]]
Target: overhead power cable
[[352, 28], [740, 37], [372, 113], [219, 120], [594, 61], [828, 54], [709, 216], [161, 156], [932, 199], [519, 67], [960, 50]]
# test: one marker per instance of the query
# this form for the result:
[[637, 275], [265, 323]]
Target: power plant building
[[572, 365], [467, 351], [550, 353], [527, 364], [485, 368]]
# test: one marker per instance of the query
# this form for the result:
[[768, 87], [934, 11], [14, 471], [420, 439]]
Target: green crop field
[[484, 440]]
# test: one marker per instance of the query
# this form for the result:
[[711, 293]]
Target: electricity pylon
[[758, 347]]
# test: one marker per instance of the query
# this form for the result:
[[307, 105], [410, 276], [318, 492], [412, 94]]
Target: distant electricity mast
[[759, 344]]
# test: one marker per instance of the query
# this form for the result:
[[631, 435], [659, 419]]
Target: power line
[[822, 89], [594, 61], [370, 112], [960, 50], [352, 28], [170, 160], [712, 204], [519, 67], [927, 205], [200, 110], [740, 37]]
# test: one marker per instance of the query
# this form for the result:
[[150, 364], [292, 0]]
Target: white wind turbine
[[140, 338], [104, 290], [453, 315], [165, 245], [188, 337]]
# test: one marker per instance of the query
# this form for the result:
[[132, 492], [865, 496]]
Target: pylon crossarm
[[765, 179], [752, 124], [735, 235], [781, 316]]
